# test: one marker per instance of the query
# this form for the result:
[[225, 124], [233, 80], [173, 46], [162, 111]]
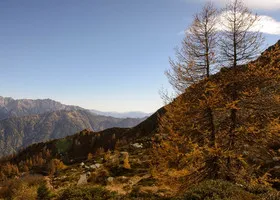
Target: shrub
[[55, 166], [258, 189], [25, 192], [3, 177], [217, 190], [136, 194], [100, 176], [18, 189], [271, 196], [9, 170], [147, 182], [107, 156], [120, 171], [43, 192], [86, 193], [8, 190], [33, 180], [126, 164]]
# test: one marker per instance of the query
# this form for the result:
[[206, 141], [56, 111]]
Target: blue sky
[[101, 54]]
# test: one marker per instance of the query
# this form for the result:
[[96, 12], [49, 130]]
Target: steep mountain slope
[[23, 107], [19, 132]]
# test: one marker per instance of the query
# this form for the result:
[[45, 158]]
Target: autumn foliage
[[245, 156]]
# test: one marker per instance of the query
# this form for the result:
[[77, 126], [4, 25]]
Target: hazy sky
[[108, 55]]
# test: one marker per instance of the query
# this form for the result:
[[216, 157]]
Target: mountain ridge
[[91, 141], [10, 107], [20, 132]]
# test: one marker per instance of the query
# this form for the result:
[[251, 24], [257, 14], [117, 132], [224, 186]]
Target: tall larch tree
[[196, 57], [239, 42]]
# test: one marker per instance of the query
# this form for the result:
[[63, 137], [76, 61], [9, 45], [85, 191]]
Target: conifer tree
[[196, 58], [185, 147], [240, 104], [239, 42]]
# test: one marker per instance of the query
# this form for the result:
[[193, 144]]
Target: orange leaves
[[211, 96], [276, 98], [252, 129], [203, 114], [233, 105], [250, 92], [216, 151], [9, 170], [274, 127], [56, 165]]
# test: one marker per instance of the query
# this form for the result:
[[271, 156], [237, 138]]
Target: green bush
[[271, 196], [136, 194], [86, 193], [18, 189], [33, 180], [43, 193], [259, 189], [147, 182], [217, 190], [63, 145]]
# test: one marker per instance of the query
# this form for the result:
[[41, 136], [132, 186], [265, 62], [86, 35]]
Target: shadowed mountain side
[[20, 132], [76, 147]]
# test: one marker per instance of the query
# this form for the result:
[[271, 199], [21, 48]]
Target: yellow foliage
[[221, 123], [233, 105], [126, 164], [56, 165]]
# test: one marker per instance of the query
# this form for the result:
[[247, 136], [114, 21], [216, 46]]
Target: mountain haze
[[133, 114]]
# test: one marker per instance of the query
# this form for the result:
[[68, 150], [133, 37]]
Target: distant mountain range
[[10, 107], [133, 114], [25, 122]]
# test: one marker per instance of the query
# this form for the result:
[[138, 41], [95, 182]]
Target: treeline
[[50, 157], [40, 163]]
